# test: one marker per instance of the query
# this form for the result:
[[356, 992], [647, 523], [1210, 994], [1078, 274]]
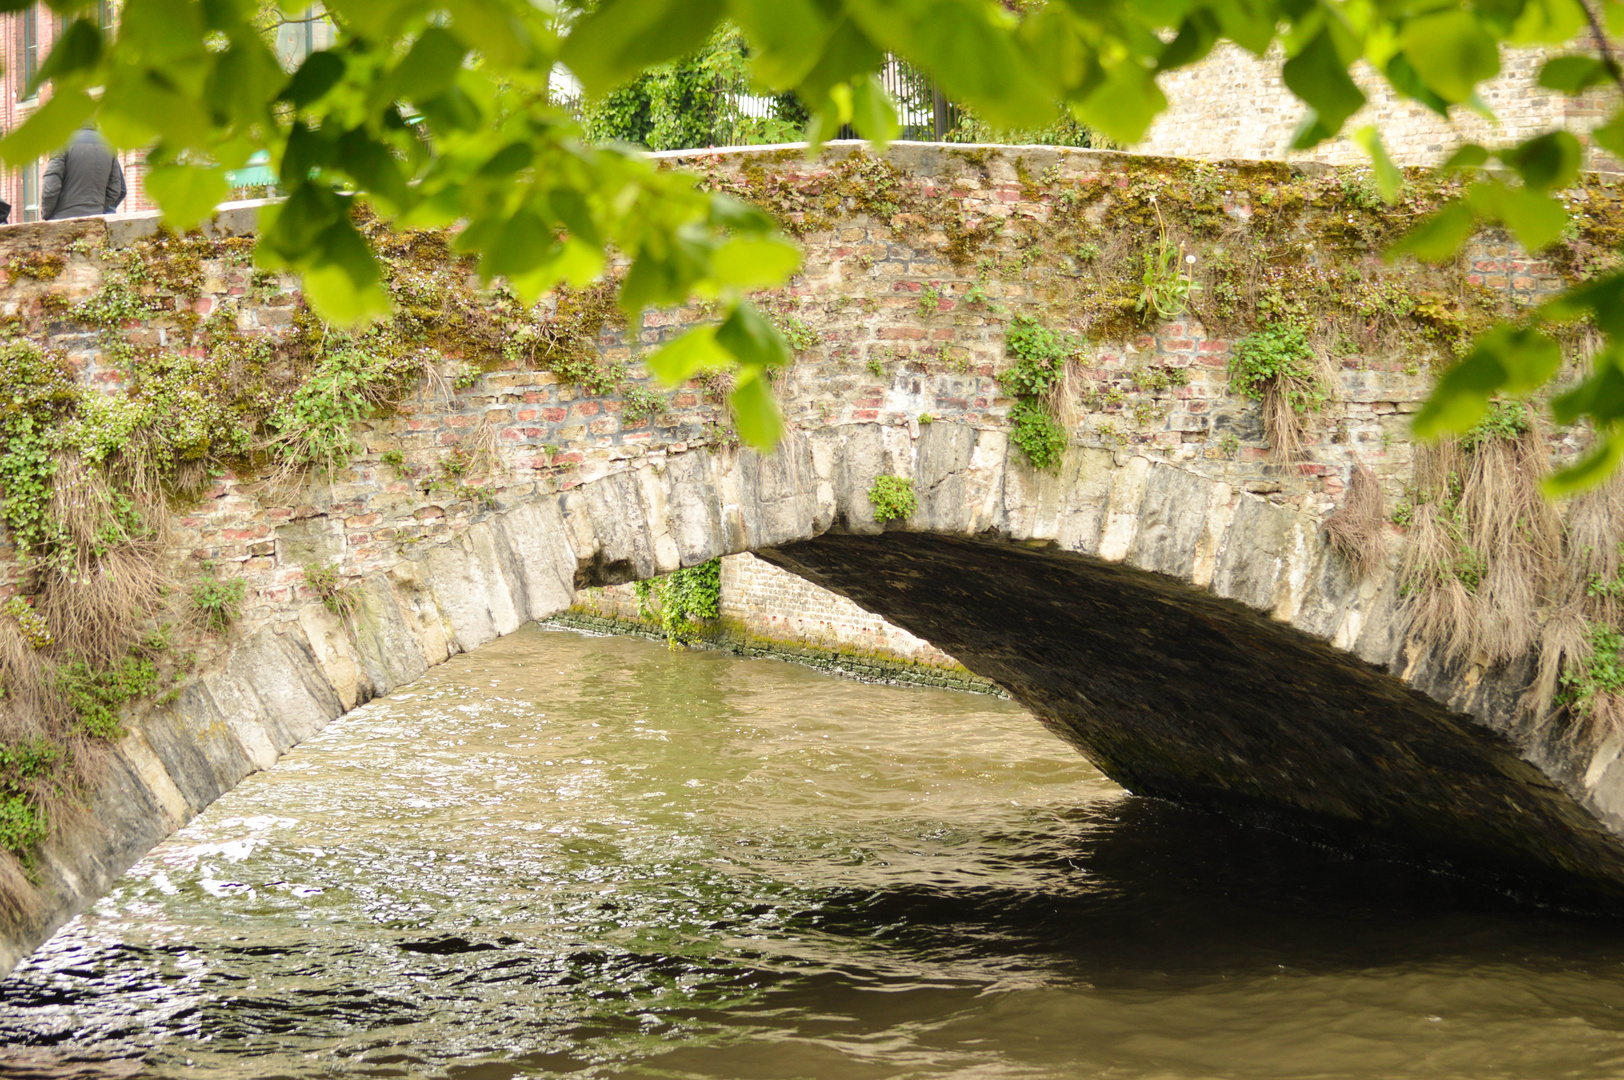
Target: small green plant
[[930, 301], [467, 375], [1602, 674], [1166, 286], [315, 426], [1504, 420], [457, 463], [1277, 359], [329, 585], [394, 459], [926, 418], [876, 367], [1276, 367], [30, 622], [976, 296], [1086, 253], [28, 769], [1230, 444], [892, 498], [797, 332], [642, 403], [1040, 356], [216, 601], [95, 695]]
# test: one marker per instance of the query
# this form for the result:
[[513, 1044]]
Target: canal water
[[588, 857]]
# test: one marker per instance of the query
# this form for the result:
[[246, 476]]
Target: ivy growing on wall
[[682, 599]]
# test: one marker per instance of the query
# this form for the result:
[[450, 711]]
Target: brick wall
[[877, 357], [773, 603], [1234, 105]]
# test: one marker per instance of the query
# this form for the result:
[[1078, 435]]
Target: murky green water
[[597, 858]]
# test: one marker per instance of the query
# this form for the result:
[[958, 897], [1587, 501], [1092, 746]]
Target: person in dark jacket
[[83, 179]]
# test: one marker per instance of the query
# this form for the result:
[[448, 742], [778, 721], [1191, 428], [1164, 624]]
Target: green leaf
[[1546, 161], [872, 113], [1389, 181], [1197, 34], [372, 164], [1248, 23], [755, 262], [752, 340], [786, 37], [1506, 360], [161, 32], [1548, 22], [1124, 105], [1469, 156], [187, 193], [622, 37], [1440, 236], [848, 54], [245, 80], [1602, 297], [1534, 218], [1401, 74], [681, 359], [1599, 396], [79, 48], [1461, 396], [519, 246], [320, 72], [1610, 136], [336, 297], [47, 130], [1451, 52], [967, 45], [1319, 77], [755, 413], [1574, 74], [503, 39], [1528, 357], [1594, 468], [429, 69]]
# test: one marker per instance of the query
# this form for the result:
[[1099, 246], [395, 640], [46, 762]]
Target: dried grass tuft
[[1358, 528], [1282, 425], [1485, 549], [108, 580]]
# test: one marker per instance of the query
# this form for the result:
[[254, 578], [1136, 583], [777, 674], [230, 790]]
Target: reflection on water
[[594, 857]]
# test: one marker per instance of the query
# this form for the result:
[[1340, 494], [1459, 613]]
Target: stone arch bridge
[[1165, 601]]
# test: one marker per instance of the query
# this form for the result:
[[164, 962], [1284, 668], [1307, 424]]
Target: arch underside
[[1176, 693]]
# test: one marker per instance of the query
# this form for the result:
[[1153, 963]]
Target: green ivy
[[217, 601], [1039, 434], [685, 597], [1504, 420], [893, 498], [96, 694], [1278, 355], [1603, 673], [1040, 356]]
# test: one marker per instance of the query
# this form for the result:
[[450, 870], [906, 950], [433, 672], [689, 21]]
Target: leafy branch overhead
[[442, 113]]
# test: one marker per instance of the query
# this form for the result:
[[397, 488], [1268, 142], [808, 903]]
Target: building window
[[301, 35], [28, 45], [31, 192]]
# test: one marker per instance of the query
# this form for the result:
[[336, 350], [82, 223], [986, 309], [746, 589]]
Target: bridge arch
[[1171, 616], [1193, 641]]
